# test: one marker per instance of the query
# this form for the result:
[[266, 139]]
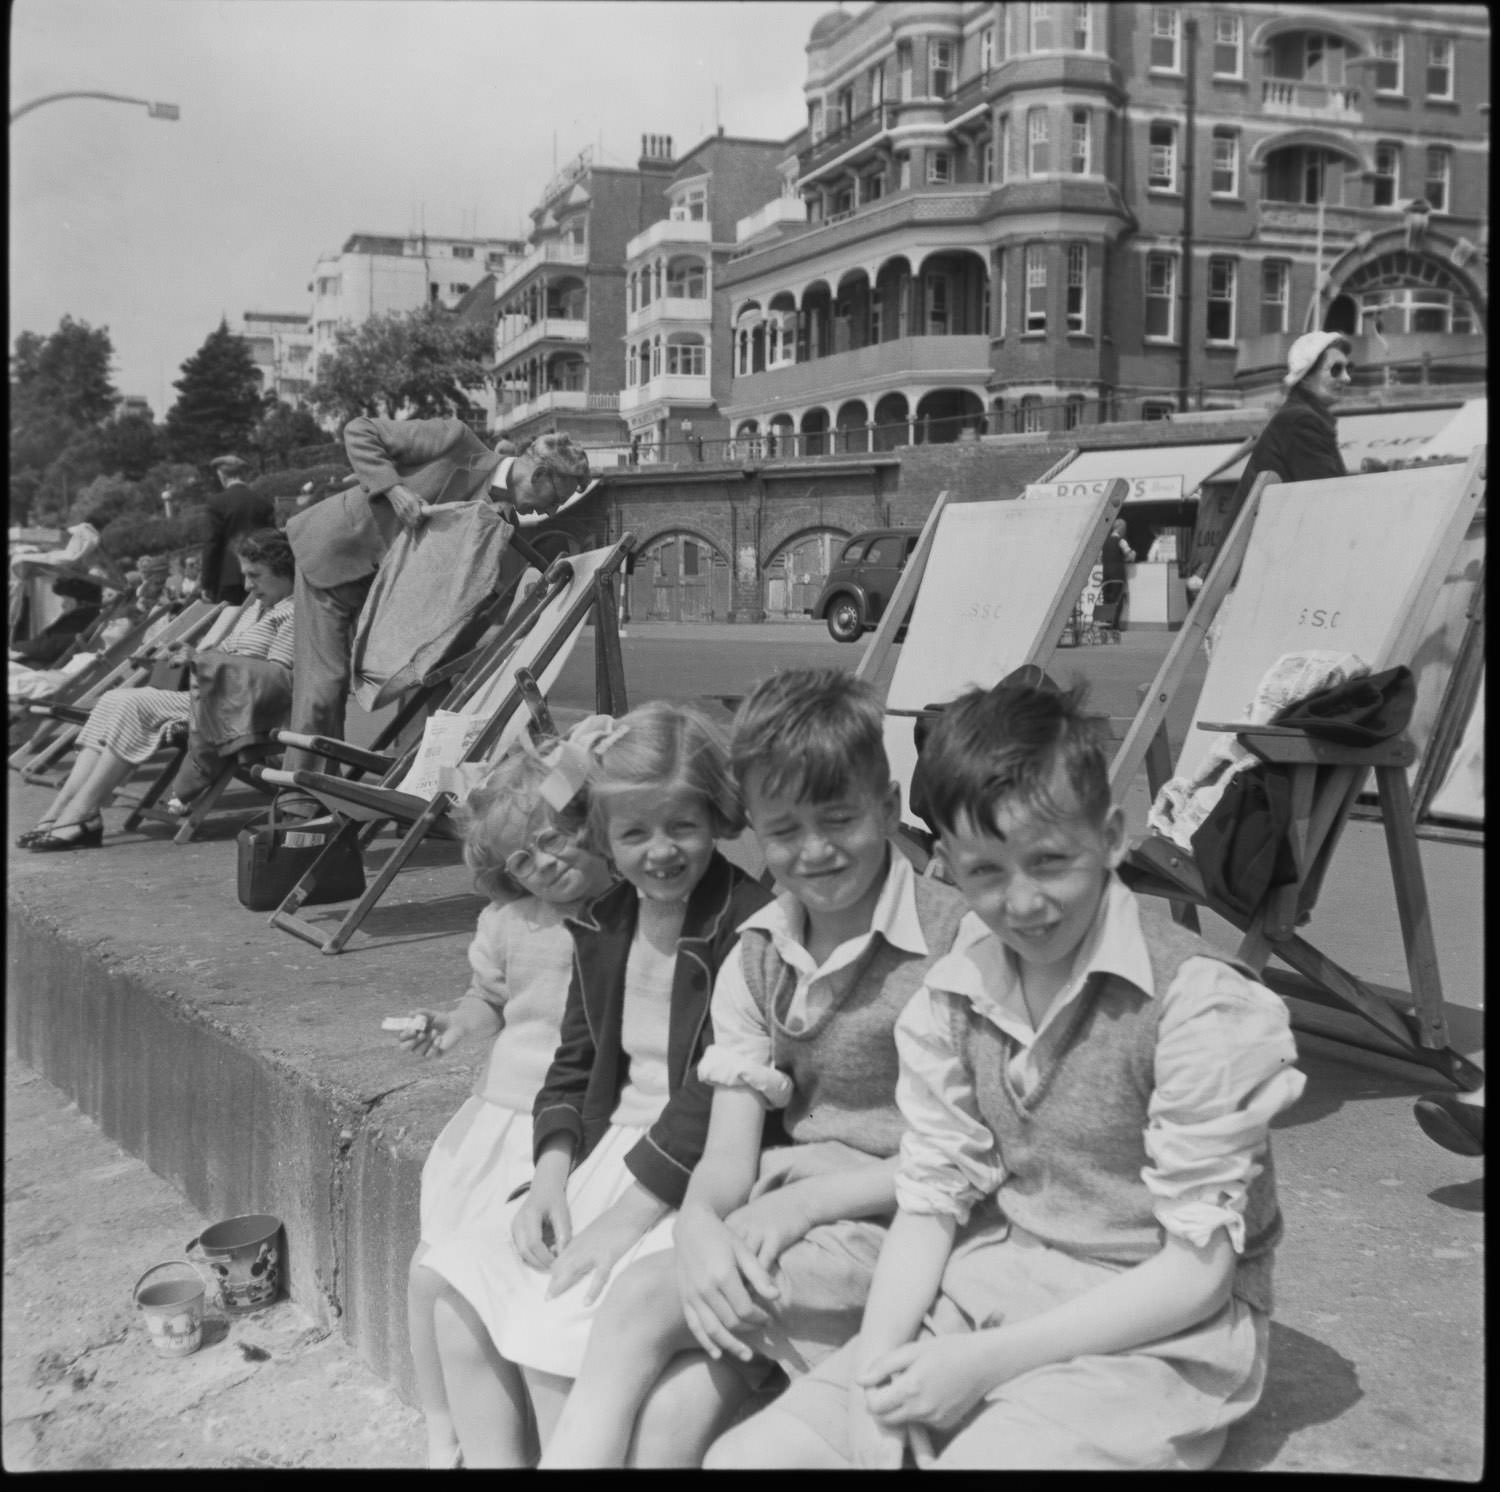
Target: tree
[[59, 386], [281, 431], [218, 402], [418, 364]]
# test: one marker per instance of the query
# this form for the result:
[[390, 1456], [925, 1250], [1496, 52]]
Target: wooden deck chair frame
[[61, 715], [1325, 780], [1050, 620], [375, 804], [444, 679]]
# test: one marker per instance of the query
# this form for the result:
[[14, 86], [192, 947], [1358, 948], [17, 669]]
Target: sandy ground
[[83, 1389]]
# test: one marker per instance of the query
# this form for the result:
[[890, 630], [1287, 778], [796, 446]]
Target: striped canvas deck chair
[[128, 664], [527, 654], [1348, 565]]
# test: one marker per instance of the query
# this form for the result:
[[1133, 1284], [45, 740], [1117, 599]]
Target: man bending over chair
[[404, 468]]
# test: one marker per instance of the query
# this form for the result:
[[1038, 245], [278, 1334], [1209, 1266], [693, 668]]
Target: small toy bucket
[[173, 1309], [245, 1256]]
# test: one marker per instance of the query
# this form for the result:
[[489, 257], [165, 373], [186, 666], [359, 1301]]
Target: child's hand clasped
[[714, 1267], [933, 1382], [771, 1223], [542, 1215]]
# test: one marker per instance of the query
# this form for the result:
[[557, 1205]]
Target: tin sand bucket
[[245, 1256], [172, 1309]]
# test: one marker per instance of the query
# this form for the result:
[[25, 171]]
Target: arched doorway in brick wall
[[795, 573], [679, 577]]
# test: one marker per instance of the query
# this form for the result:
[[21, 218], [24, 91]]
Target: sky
[[303, 121]]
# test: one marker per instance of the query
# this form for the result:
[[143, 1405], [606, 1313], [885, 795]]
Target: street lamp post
[[153, 110]]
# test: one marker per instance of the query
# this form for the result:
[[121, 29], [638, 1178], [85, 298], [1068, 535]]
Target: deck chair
[[991, 586], [130, 662], [1351, 564], [522, 662], [520, 560]]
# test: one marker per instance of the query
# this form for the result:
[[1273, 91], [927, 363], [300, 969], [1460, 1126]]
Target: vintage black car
[[859, 586]]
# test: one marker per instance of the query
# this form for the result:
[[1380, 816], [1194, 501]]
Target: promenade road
[[249, 1073]]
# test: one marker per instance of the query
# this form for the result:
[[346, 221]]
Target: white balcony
[[676, 387], [671, 308], [551, 329], [777, 210], [547, 253], [1285, 99], [554, 399], [697, 231]]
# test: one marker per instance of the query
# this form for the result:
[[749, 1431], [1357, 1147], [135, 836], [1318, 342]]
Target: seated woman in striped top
[[126, 727]]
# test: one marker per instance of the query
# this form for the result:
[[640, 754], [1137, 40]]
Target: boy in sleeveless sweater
[[1079, 1271], [774, 1252]]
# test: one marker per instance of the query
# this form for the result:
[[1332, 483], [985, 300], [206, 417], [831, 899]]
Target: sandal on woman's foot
[[32, 835], [90, 836]]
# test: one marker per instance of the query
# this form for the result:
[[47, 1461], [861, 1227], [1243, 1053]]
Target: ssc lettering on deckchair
[[1318, 617]]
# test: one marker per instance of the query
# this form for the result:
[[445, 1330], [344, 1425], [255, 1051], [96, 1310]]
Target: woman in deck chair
[[242, 685]]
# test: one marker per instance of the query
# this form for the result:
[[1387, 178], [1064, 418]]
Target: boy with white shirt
[[1079, 1271], [774, 1252]]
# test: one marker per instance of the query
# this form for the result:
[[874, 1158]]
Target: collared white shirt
[[1222, 1073], [740, 1055]]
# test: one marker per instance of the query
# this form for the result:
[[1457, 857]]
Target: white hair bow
[[574, 755]]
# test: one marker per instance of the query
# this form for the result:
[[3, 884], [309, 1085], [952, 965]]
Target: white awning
[[1387, 435], [1155, 473], [1467, 429]]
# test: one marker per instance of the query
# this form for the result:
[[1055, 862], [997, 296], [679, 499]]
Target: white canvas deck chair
[[127, 665], [1351, 565], [522, 663], [994, 585]]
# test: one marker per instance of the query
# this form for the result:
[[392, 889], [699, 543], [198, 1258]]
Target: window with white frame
[[815, 119], [686, 359], [1002, 298], [463, 251], [872, 187], [1161, 157], [939, 66], [1002, 148], [1387, 181], [1221, 288], [1032, 419], [687, 281], [903, 172], [1435, 187], [1076, 284], [938, 297], [1072, 411], [1043, 27], [1166, 38], [877, 85], [1229, 47], [656, 358], [1388, 59], [1078, 156], [1082, 35], [1161, 296], [1156, 409], [984, 306], [1224, 180], [939, 167], [1038, 155], [986, 160], [1439, 67], [986, 49], [843, 103], [1274, 278], [1036, 288]]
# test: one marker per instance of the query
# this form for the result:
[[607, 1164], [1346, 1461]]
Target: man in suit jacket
[[403, 467], [232, 512]]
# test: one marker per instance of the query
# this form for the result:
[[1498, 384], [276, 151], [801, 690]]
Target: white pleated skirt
[[479, 1160], [482, 1264]]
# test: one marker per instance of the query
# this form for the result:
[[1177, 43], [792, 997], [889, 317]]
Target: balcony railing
[[549, 329], [547, 253], [670, 230], [670, 308], [777, 210], [678, 387], [553, 399], [859, 129], [842, 372], [1290, 100]]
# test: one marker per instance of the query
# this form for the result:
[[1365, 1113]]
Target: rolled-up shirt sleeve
[[1224, 1070], [949, 1160], [740, 1054]]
